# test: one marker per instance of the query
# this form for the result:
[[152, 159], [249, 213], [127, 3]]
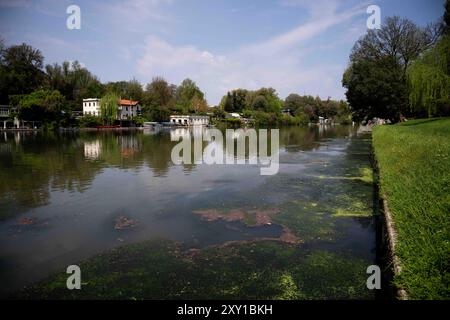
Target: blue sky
[[297, 46]]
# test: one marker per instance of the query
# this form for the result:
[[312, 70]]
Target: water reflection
[[33, 163], [92, 149], [60, 194]]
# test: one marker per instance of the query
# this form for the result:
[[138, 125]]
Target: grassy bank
[[414, 162]]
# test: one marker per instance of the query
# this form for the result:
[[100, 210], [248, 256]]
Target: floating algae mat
[[257, 270], [140, 227]]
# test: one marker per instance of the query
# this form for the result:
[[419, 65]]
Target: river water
[[61, 196]]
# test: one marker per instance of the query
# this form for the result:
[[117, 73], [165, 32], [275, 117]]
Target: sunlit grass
[[414, 162]]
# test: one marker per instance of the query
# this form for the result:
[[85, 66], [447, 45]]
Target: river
[[63, 196]]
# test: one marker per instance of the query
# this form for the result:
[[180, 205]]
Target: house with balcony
[[128, 109]]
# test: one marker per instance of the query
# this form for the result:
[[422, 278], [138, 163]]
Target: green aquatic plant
[[290, 290], [351, 205], [350, 213], [307, 224], [366, 175], [258, 270]]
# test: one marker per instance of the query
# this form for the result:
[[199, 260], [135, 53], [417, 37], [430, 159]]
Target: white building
[[183, 120], [91, 107], [126, 108]]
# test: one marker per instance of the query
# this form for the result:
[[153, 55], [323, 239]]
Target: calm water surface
[[60, 196]]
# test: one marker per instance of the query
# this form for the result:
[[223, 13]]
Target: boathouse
[[191, 120]]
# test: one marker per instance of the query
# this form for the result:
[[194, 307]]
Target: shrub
[[89, 121]]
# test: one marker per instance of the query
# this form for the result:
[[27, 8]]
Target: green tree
[[270, 103], [187, 90], [198, 105], [20, 70], [126, 89], [159, 100], [218, 112], [226, 103], [429, 80], [235, 101], [293, 102], [398, 38], [74, 81], [134, 91], [376, 80], [41, 105], [375, 88], [260, 103], [159, 114], [159, 93], [238, 99], [109, 107]]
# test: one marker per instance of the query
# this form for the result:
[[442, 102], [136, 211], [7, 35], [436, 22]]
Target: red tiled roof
[[124, 102]]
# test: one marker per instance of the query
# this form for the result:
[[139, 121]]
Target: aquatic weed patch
[[259, 270]]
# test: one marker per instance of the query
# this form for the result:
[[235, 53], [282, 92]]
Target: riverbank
[[413, 160], [19, 129]]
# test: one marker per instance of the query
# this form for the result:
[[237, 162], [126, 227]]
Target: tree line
[[52, 92], [401, 70], [264, 106]]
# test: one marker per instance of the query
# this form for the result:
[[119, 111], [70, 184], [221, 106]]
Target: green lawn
[[414, 163]]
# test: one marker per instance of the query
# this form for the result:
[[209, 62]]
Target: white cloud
[[277, 62], [159, 54], [178, 63], [316, 25]]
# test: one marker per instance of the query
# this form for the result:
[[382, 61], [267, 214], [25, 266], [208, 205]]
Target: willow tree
[[109, 108], [429, 79]]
